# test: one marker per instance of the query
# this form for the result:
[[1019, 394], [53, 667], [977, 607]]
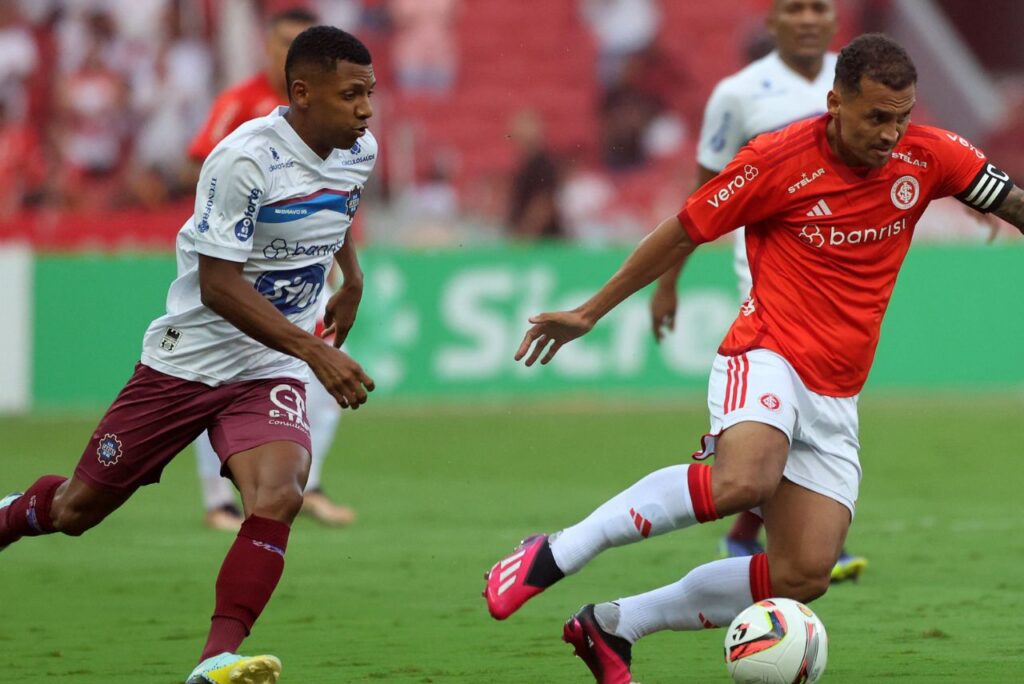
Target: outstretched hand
[[550, 331]]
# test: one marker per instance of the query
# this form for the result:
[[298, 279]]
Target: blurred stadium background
[[525, 145], [461, 239]]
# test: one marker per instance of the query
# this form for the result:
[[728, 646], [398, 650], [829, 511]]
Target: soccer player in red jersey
[[829, 206], [258, 95]]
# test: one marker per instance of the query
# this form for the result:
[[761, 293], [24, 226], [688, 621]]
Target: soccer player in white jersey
[[273, 206], [789, 84]]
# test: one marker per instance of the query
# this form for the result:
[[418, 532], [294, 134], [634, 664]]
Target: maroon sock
[[29, 515], [247, 578], [746, 528]]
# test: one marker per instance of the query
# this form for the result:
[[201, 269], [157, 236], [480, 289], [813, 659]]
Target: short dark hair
[[299, 15], [323, 47], [878, 57]]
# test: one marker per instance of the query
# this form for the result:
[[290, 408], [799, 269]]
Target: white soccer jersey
[[764, 96], [266, 200]]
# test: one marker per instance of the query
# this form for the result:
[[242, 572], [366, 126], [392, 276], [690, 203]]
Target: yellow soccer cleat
[[229, 668], [848, 567]]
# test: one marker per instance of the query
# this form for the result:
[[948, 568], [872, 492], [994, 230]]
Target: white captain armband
[[988, 189]]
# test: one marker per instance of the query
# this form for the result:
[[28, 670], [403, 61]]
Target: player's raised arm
[[666, 245], [343, 304]]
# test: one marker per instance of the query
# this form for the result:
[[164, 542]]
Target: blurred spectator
[[621, 28], [18, 59], [424, 45], [635, 124], [91, 125], [584, 200], [172, 102], [22, 165], [533, 207]]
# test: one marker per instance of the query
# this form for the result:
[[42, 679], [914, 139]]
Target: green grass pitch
[[442, 495]]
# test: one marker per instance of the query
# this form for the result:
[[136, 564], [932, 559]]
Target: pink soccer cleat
[[517, 578], [607, 655]]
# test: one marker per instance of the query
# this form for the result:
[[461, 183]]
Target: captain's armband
[[988, 189]]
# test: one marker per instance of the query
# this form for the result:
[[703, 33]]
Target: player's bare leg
[[748, 467], [54, 504], [806, 532], [271, 478]]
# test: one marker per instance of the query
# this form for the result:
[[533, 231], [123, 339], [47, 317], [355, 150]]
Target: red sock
[[760, 580], [29, 515], [247, 578], [698, 477], [746, 528]]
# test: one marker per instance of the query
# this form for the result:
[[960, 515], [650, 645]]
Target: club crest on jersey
[[771, 402], [109, 451], [352, 203], [905, 192]]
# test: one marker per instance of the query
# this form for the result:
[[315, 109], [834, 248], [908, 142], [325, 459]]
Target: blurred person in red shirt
[[248, 100], [258, 95], [22, 165]]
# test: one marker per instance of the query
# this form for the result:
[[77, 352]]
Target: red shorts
[[156, 416]]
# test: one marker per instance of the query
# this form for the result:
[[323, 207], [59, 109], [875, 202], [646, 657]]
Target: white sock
[[216, 490], [656, 504], [711, 595], [323, 413]]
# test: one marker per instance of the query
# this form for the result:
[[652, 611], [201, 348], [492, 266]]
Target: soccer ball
[[776, 641]]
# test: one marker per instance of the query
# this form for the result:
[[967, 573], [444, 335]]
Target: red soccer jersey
[[244, 102], [825, 244]]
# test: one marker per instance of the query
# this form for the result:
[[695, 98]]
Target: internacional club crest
[[109, 451], [905, 192]]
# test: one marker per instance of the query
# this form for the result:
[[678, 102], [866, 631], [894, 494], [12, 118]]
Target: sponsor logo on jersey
[[247, 226], [820, 209], [291, 407], [727, 191], [280, 249], [204, 220], [806, 180], [812, 235], [907, 159], [293, 290], [274, 154], [963, 143], [358, 160], [905, 192], [170, 339], [355, 149], [770, 402], [109, 451]]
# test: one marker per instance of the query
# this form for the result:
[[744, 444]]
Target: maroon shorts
[[156, 416]]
